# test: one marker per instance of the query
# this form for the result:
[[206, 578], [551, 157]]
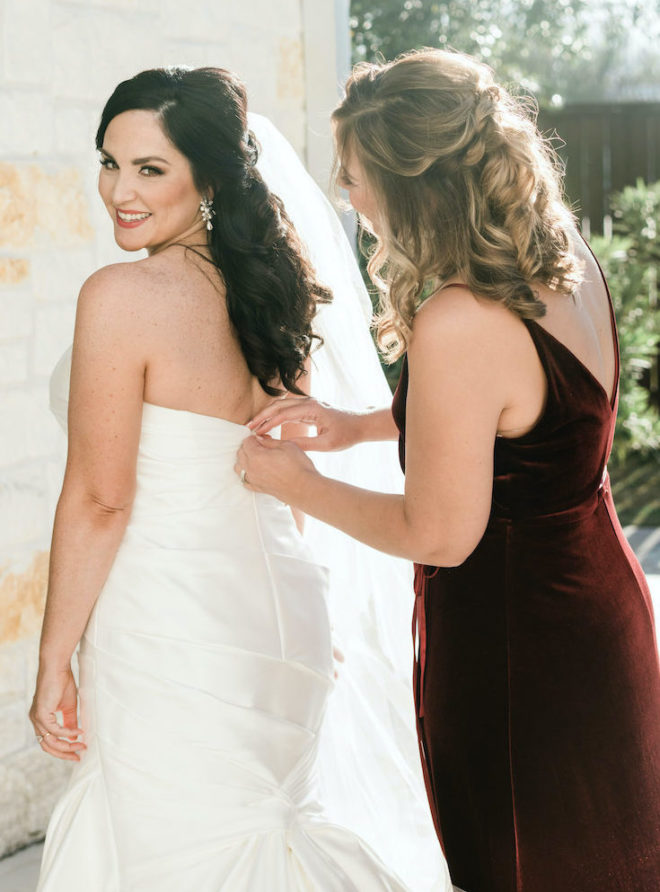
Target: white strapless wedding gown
[[205, 670]]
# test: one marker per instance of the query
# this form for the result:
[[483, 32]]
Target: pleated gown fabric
[[537, 679], [205, 669]]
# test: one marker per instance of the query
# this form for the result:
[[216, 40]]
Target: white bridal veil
[[370, 773]]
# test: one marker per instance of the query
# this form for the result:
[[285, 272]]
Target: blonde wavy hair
[[464, 184]]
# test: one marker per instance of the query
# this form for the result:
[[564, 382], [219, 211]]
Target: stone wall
[[59, 60]]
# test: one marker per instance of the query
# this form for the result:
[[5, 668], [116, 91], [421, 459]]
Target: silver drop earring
[[208, 212]]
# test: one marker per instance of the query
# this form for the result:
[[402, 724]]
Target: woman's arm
[[457, 391], [105, 409]]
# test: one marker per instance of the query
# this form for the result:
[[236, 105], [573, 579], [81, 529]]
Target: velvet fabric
[[536, 679]]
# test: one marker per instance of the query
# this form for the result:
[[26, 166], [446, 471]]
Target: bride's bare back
[[195, 362]]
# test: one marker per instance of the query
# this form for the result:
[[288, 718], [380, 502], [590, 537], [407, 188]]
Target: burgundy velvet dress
[[536, 680]]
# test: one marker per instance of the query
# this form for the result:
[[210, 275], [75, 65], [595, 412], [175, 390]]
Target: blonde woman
[[536, 679]]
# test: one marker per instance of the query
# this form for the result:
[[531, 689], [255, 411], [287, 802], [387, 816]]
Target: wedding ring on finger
[[244, 479]]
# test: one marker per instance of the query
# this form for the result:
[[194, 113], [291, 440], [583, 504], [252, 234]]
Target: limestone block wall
[[59, 61]]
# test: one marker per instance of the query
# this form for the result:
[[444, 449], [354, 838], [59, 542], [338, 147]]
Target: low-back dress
[[536, 678]]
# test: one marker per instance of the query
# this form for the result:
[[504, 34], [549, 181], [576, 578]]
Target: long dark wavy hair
[[271, 288]]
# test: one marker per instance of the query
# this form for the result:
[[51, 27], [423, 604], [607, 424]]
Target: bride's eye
[[108, 163], [149, 171]]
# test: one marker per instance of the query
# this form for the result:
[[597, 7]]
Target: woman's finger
[[55, 744], [294, 415], [243, 463], [51, 731], [274, 405], [60, 738], [54, 749], [59, 743], [297, 412], [46, 722], [277, 406], [321, 443]]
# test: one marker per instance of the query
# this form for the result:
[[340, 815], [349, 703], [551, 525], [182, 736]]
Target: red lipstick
[[130, 224]]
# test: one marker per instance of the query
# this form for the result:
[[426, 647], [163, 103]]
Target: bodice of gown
[[189, 506]]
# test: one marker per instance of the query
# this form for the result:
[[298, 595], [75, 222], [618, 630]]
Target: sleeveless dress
[[536, 678], [205, 669]]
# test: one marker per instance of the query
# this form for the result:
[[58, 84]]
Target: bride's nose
[[123, 190]]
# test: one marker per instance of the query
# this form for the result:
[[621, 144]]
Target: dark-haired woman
[[205, 650], [537, 678]]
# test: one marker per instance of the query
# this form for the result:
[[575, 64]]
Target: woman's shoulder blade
[[455, 315]]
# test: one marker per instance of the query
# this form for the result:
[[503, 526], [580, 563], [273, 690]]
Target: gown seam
[[273, 587]]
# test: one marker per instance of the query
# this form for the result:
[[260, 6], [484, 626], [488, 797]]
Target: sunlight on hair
[[465, 184]]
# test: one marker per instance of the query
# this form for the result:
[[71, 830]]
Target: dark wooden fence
[[606, 147]]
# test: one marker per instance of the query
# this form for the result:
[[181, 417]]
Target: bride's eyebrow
[[136, 161], [148, 159]]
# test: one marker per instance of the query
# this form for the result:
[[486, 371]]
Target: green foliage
[[630, 261], [571, 49], [636, 488], [636, 216], [525, 42]]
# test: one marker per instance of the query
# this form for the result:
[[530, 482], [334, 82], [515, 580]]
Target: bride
[[201, 612]]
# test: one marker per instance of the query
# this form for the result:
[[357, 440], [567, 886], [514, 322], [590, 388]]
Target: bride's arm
[[105, 408]]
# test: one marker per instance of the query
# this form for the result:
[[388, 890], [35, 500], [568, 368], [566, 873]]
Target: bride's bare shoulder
[[149, 282], [125, 298], [115, 278], [154, 302]]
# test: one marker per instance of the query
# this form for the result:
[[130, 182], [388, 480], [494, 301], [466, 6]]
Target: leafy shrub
[[630, 261]]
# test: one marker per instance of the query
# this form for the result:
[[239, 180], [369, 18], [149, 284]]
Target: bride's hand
[[335, 428], [277, 467], [57, 692]]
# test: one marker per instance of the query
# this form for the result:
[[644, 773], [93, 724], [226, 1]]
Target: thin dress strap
[[615, 334]]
